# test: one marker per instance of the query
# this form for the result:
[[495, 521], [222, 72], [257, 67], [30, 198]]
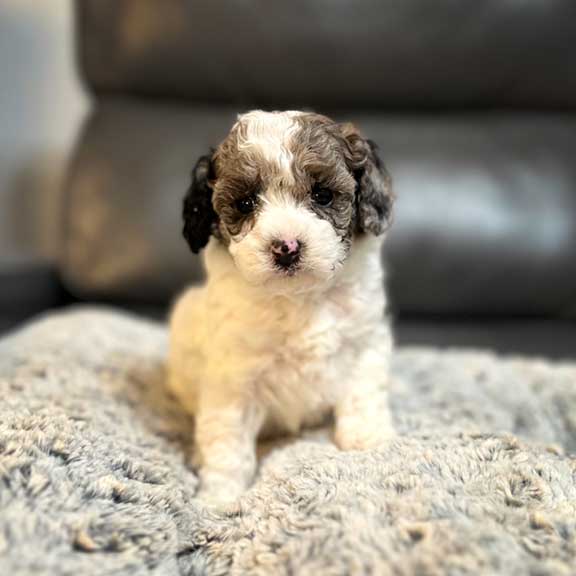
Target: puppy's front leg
[[363, 418], [225, 440]]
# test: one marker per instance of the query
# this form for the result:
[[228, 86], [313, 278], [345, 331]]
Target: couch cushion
[[313, 52], [536, 337], [485, 220]]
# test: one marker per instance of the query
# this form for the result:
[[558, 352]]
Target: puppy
[[290, 208]]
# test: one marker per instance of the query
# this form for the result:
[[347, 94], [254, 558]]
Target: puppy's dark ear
[[198, 212], [374, 196]]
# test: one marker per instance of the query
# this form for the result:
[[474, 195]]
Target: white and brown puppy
[[288, 328]]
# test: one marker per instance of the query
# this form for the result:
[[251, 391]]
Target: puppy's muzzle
[[286, 253]]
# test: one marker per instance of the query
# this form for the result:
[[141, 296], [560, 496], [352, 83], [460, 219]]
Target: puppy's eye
[[246, 205], [322, 196]]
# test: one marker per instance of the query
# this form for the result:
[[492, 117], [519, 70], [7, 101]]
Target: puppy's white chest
[[307, 365]]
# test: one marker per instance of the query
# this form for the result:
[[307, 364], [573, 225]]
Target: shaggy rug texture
[[94, 476]]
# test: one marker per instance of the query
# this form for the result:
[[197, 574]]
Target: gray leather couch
[[473, 106]]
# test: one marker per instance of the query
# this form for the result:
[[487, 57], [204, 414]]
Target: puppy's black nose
[[286, 252]]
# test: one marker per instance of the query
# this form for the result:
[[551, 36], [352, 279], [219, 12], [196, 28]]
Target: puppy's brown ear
[[374, 196], [199, 216]]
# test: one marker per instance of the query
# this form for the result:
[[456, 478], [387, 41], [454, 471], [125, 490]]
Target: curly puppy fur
[[291, 208]]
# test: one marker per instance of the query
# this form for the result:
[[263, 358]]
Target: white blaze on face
[[268, 135]]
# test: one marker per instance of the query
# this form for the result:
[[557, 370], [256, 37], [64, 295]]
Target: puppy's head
[[288, 193]]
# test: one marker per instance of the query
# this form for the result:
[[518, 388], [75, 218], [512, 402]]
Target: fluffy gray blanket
[[94, 476]]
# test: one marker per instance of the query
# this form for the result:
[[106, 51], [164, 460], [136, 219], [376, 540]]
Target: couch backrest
[[331, 53]]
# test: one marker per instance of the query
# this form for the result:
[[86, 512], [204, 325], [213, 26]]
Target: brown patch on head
[[234, 188], [336, 158], [252, 160], [337, 155], [237, 178], [320, 164]]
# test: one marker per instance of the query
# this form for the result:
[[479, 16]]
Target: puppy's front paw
[[356, 434], [220, 491], [215, 498]]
